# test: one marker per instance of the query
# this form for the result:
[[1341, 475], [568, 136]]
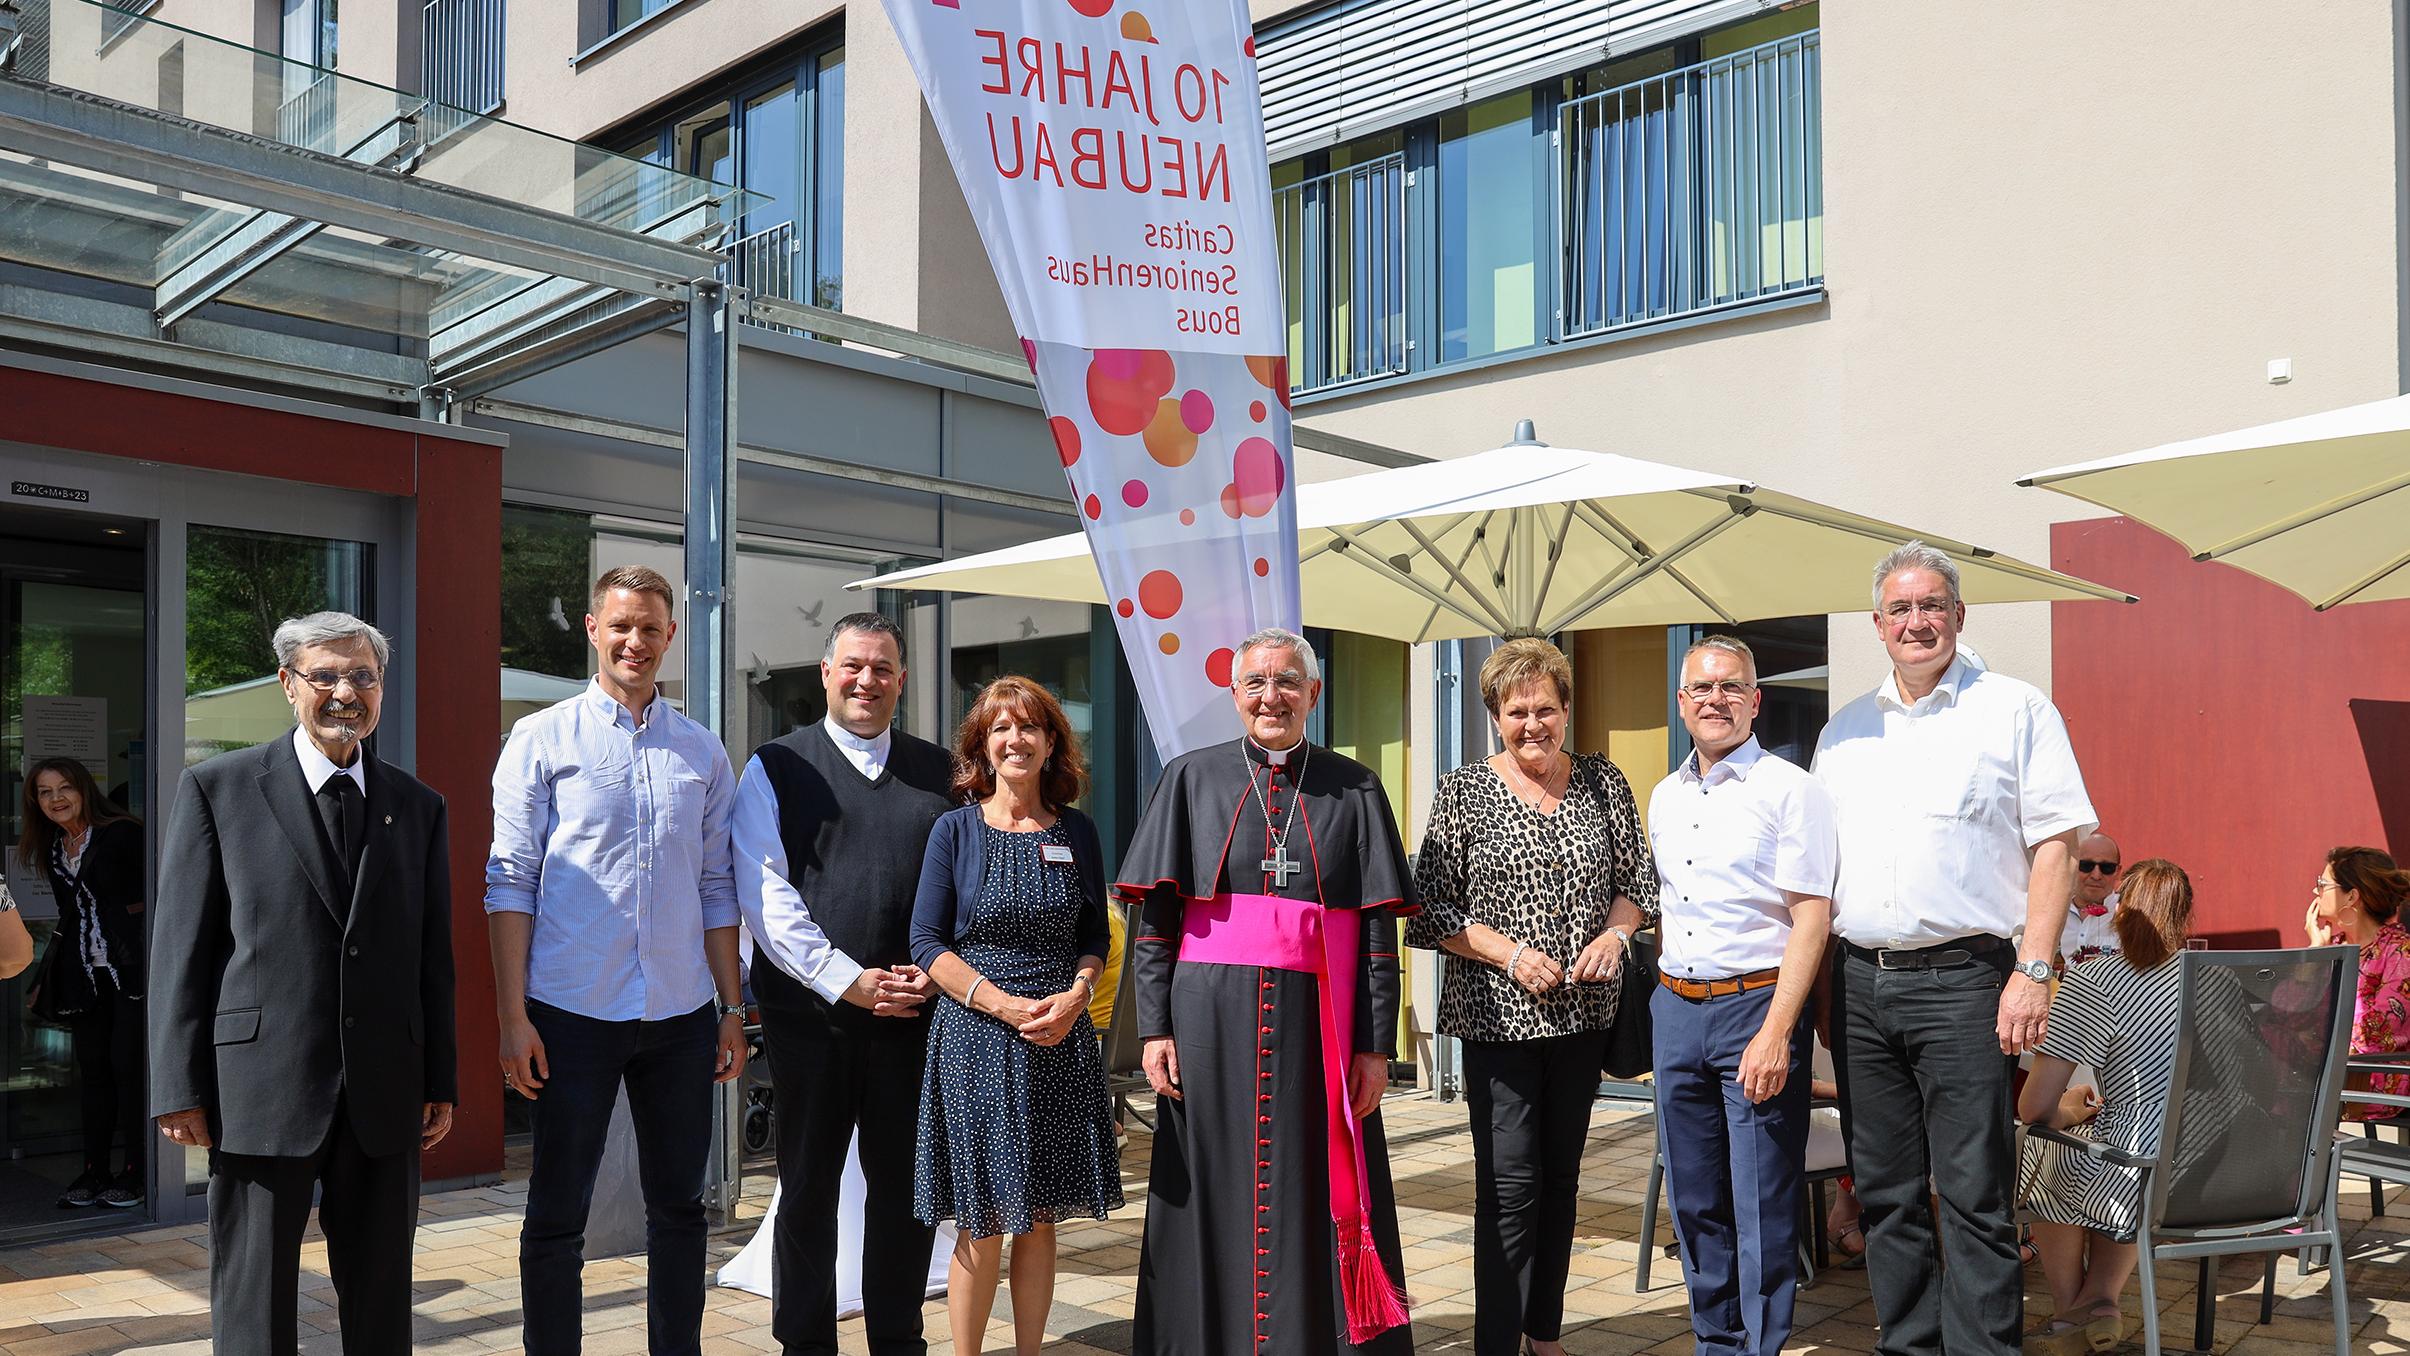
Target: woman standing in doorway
[[91, 977]]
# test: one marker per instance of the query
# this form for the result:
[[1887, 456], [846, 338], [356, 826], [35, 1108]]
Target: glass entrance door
[[72, 686], [135, 626]]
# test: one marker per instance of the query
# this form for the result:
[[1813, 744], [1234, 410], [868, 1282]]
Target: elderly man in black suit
[[301, 998]]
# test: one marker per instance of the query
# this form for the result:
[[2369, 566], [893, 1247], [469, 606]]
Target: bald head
[[2093, 887]]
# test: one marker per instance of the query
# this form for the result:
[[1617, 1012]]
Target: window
[[626, 12], [1681, 179], [778, 132], [1491, 197], [461, 53], [1046, 642], [306, 117], [1342, 240], [1695, 188]]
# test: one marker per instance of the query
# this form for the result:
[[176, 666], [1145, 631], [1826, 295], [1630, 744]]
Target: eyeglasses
[[2321, 886], [327, 680], [2087, 866], [1930, 607], [1255, 685], [1731, 689]]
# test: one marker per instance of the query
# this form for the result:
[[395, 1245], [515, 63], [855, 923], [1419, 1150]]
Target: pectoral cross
[[1280, 866]]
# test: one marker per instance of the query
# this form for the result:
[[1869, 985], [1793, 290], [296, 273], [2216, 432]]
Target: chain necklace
[[1280, 865], [1541, 804]]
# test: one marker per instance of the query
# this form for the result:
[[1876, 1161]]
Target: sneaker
[[83, 1191], [125, 1193]]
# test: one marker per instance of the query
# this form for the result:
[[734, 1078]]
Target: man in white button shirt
[[1745, 846], [1960, 806]]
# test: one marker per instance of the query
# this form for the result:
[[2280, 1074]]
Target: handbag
[[1631, 1046], [46, 1006]]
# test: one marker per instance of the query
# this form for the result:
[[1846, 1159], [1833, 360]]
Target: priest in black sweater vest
[[830, 825]]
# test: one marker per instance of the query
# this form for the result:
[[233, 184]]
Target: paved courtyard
[[148, 1291]]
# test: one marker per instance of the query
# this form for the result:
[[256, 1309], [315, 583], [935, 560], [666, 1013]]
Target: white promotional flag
[[1112, 153]]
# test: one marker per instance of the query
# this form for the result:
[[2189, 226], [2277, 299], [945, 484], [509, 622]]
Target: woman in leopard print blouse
[[1533, 875]]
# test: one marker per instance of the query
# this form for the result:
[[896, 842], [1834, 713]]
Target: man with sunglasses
[[301, 998], [1960, 806], [2092, 910]]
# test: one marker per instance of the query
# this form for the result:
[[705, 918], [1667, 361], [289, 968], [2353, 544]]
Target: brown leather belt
[[1696, 989]]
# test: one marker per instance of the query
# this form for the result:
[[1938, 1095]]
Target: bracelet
[[1083, 978], [966, 993], [1512, 957]]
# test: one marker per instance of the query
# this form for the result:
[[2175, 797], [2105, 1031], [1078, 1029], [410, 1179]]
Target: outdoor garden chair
[[2247, 1152]]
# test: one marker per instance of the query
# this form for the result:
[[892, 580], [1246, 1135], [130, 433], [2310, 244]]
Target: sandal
[[2104, 1331], [2057, 1337], [2027, 1253], [1845, 1256]]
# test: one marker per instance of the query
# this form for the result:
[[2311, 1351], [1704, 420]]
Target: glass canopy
[[455, 233]]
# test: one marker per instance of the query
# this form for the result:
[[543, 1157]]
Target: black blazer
[[272, 988], [950, 872], [112, 870]]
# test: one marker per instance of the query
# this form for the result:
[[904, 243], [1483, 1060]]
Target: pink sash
[[1290, 934]]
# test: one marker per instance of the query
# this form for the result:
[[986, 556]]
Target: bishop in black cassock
[[1267, 1229]]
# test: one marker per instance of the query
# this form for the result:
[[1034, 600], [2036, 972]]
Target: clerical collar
[[1276, 757]]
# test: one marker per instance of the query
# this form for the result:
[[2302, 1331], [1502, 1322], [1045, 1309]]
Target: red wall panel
[[2224, 725], [459, 713]]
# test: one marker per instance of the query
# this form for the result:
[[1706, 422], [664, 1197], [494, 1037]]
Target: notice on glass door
[[69, 727]]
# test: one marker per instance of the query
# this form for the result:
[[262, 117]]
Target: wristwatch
[[719, 1009], [2036, 970]]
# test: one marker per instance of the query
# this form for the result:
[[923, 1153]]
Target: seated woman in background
[[2357, 901], [2117, 1013]]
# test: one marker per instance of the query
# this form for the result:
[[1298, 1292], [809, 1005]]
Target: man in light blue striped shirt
[[611, 905]]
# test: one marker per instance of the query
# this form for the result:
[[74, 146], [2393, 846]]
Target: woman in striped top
[[2117, 1013]]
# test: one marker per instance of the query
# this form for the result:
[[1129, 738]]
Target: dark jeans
[[108, 1071], [668, 1068], [1531, 1118], [1732, 1168], [1925, 1097]]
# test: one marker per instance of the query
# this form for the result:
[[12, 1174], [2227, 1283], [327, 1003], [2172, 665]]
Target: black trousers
[[258, 1208], [1925, 1098], [108, 1037], [667, 1066], [1531, 1118], [825, 1081]]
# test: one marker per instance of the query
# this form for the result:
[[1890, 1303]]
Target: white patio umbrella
[[1528, 539], [2318, 505]]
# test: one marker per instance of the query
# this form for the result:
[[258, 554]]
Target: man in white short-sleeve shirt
[[1744, 844], [1960, 805]]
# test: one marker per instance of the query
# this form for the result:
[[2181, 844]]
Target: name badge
[[1054, 852]]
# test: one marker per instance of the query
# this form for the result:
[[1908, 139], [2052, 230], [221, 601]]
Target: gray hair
[[1914, 555], [1731, 645], [1276, 638], [295, 634], [877, 623]]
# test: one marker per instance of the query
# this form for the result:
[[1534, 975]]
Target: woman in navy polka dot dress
[[1015, 1130]]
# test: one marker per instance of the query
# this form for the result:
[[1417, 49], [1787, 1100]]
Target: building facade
[[1882, 254]]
